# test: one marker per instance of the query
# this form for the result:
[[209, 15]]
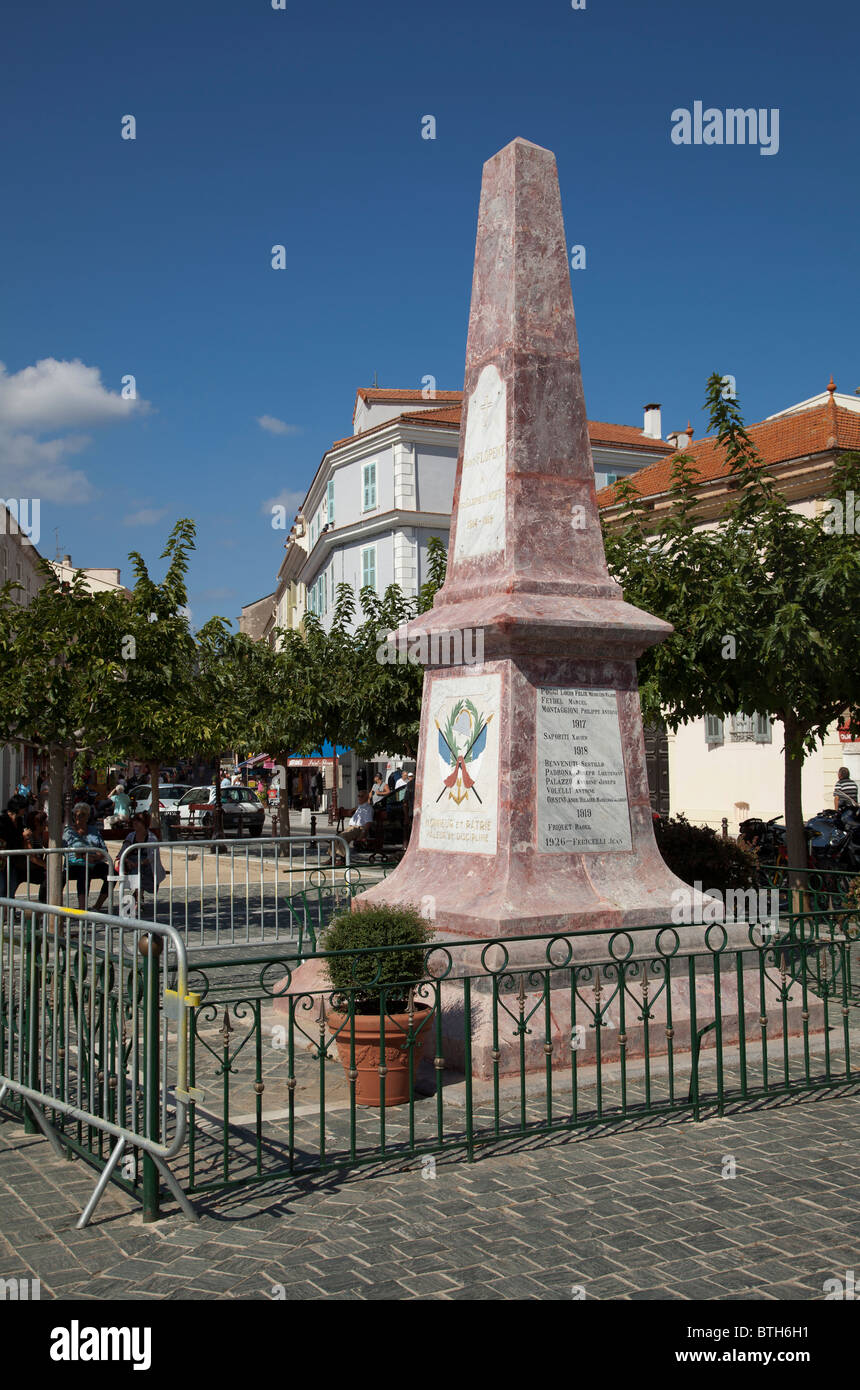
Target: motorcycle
[[767, 838], [835, 842]]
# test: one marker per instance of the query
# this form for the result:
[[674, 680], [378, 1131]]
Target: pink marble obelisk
[[532, 811]]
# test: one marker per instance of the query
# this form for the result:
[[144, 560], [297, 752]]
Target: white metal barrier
[[94, 1036], [220, 893], [24, 877]]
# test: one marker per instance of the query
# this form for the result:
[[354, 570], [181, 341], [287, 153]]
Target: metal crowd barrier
[[237, 892], [94, 1040], [27, 879]]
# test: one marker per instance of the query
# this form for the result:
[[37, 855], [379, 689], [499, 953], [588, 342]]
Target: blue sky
[[302, 127]]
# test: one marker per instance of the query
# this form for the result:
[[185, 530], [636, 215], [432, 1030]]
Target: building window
[[611, 478], [368, 567], [713, 730], [368, 486], [329, 495], [762, 728]]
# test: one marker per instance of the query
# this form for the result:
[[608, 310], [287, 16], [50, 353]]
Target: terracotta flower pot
[[367, 1052]]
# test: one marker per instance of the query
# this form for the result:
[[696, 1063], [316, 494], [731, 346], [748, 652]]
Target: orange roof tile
[[813, 431]]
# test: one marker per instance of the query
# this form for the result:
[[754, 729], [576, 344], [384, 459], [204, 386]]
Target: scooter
[[767, 838]]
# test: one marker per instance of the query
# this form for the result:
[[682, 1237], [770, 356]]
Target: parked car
[[241, 807], [169, 795]]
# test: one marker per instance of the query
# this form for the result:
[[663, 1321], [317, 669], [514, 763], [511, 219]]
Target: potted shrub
[[375, 988]]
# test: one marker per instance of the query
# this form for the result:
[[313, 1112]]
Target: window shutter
[[368, 568], [762, 729], [713, 729], [329, 492], [369, 480]]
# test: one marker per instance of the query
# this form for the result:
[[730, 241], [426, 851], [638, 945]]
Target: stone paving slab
[[537, 1222]]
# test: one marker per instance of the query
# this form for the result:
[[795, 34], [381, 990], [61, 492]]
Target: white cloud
[[147, 516], [31, 467], [276, 426], [58, 395], [290, 501], [49, 397]]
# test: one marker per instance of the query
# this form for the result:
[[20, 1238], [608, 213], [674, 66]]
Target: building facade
[[733, 768], [19, 563]]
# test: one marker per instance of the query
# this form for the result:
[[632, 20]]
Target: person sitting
[[89, 858], [13, 868], [121, 802], [36, 838], [358, 825], [144, 865]]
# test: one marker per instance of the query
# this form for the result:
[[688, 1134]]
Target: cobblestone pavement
[[641, 1213]]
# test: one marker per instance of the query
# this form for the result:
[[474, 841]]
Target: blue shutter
[[368, 567], [713, 729], [369, 487], [329, 492]]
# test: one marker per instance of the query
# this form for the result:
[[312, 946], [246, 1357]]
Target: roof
[[630, 436], [384, 393], [779, 439], [599, 432]]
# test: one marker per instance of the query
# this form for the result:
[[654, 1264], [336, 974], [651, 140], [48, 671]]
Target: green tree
[[155, 715], [764, 605], [58, 671]]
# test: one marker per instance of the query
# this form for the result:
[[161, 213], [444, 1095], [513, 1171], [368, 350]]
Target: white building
[[381, 493], [734, 768], [19, 562], [97, 581]]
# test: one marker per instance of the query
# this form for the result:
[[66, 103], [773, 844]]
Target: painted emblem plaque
[[582, 802], [481, 509], [460, 792]]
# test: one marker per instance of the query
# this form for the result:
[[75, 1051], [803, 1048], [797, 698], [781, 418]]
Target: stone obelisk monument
[[532, 811]]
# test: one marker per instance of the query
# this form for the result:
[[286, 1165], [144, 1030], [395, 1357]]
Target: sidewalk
[[632, 1214]]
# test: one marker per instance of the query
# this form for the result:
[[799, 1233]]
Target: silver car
[[169, 795]]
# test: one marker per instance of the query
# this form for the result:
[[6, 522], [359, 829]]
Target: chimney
[[679, 439], [653, 426], [67, 559]]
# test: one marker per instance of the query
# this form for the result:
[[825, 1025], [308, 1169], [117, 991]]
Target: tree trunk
[[154, 770], [56, 799], [218, 827], [795, 837], [284, 798]]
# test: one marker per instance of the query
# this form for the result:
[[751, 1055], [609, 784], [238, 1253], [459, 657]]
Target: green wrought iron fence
[[493, 1041], [505, 1040]]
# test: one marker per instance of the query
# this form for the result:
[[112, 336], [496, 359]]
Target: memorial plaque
[[581, 787], [460, 791], [481, 512]]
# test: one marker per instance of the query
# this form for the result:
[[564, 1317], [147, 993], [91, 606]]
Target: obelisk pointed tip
[[520, 143]]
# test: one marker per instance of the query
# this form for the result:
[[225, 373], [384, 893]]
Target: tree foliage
[[764, 604]]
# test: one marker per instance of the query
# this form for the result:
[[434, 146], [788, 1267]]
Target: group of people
[[398, 788], [87, 860]]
